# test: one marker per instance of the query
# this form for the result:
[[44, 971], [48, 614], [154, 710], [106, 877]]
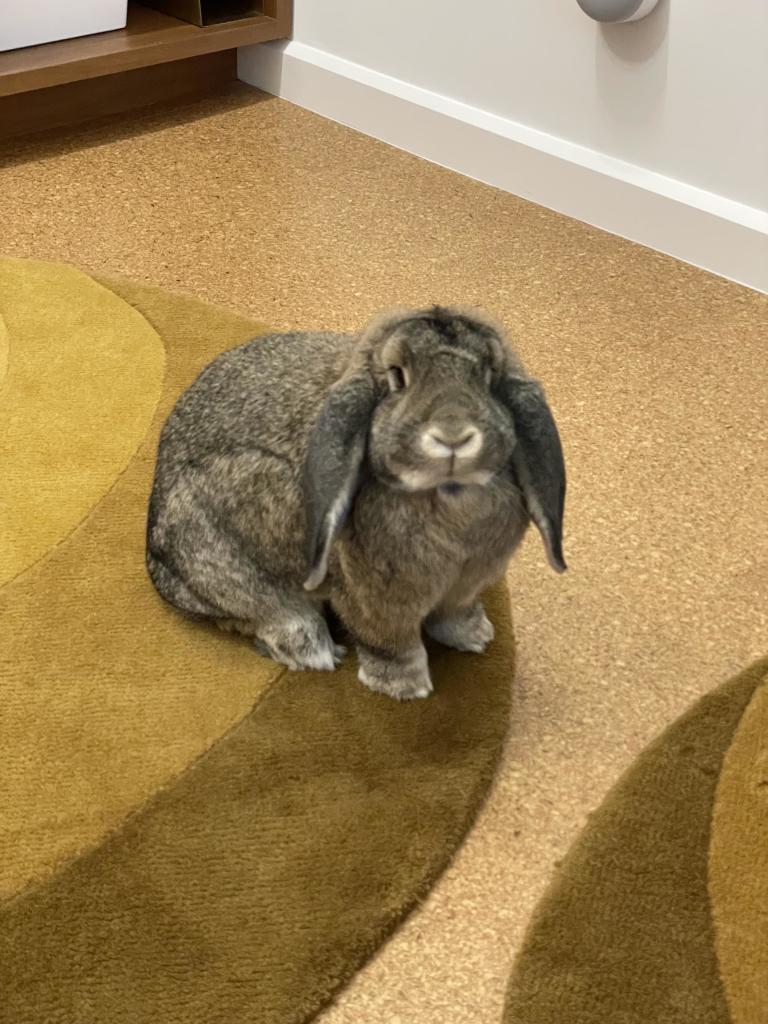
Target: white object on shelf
[[31, 22], [614, 11]]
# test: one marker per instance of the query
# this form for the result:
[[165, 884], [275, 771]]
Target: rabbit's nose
[[441, 441]]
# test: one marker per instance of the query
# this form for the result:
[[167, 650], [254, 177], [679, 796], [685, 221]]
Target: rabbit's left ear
[[538, 461], [332, 466]]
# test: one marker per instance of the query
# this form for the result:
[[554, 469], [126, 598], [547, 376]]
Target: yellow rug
[[660, 912], [187, 832]]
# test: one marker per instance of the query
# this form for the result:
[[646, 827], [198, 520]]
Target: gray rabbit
[[390, 474]]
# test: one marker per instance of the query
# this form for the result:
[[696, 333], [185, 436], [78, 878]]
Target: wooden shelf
[[148, 39]]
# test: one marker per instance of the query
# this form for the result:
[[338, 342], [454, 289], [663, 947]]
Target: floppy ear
[[332, 466], [538, 461]]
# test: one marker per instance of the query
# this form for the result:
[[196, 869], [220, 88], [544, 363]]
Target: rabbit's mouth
[[452, 489], [447, 477]]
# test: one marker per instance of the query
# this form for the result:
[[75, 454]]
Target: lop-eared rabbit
[[390, 475]]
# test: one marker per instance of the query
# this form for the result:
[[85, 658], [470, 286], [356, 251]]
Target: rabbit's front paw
[[467, 629], [403, 676], [302, 643]]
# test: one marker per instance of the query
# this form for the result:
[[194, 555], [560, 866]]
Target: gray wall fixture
[[617, 10]]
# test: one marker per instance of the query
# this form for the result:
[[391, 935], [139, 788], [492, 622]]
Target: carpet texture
[[188, 833], [96, 367], [659, 911]]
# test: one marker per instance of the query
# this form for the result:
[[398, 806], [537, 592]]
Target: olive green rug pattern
[[660, 911], [187, 832]]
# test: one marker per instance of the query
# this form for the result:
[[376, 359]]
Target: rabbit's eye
[[396, 378]]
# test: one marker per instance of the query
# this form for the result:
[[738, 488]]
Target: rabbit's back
[[230, 456], [266, 392]]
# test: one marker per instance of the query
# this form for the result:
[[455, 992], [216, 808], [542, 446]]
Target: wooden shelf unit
[[149, 39]]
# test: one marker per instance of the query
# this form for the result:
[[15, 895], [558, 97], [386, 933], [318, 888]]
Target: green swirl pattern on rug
[[660, 911], [188, 833]]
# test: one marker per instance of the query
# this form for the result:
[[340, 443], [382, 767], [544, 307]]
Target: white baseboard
[[699, 227]]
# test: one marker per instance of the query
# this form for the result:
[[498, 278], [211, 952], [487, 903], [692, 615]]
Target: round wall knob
[[617, 10]]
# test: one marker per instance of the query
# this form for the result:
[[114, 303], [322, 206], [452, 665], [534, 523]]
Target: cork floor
[[657, 375]]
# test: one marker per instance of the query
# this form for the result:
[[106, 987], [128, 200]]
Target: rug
[[660, 911], [188, 833]]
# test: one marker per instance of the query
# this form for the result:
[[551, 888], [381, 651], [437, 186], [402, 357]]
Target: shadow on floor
[[58, 141]]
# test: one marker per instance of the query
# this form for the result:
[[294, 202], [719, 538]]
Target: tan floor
[[656, 371]]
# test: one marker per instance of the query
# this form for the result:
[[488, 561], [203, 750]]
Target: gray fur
[[295, 471]]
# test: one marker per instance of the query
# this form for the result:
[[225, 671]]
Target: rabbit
[[389, 475]]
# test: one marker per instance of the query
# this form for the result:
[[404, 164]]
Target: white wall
[[682, 95], [688, 99]]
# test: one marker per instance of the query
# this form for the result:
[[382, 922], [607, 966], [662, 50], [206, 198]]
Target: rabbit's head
[[437, 423], [432, 398]]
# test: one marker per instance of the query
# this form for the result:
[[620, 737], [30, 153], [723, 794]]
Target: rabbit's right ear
[[332, 466], [538, 461]]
